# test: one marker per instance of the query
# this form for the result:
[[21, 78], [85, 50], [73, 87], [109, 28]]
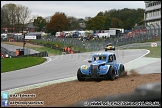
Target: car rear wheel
[[122, 70], [79, 76], [111, 74]]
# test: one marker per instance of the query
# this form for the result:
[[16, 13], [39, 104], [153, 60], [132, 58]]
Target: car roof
[[103, 53]]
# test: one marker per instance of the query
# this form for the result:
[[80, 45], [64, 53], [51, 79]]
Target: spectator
[[156, 36]]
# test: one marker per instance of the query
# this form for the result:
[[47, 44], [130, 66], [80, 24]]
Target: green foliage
[[115, 22], [73, 23], [11, 64], [40, 23], [96, 23], [129, 17], [58, 22], [107, 22], [100, 14], [121, 18]]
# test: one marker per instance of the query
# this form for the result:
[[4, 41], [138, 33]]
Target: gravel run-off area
[[70, 93]]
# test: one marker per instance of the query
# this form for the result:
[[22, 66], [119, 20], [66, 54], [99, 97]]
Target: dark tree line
[[124, 18]]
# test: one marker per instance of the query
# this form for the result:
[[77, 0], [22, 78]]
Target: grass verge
[[154, 51], [50, 50], [11, 64]]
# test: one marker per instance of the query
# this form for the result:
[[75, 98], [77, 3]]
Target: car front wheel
[[111, 74], [79, 76]]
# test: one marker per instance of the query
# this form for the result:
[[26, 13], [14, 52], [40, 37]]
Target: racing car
[[110, 46], [102, 66]]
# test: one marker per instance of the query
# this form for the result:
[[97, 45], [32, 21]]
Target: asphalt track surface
[[13, 48], [58, 67]]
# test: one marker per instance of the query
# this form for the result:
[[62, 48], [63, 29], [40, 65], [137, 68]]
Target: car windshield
[[109, 44], [99, 58]]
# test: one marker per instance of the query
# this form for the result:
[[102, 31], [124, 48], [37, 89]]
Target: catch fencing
[[140, 35]]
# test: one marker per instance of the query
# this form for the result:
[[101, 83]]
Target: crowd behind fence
[[140, 35], [99, 44]]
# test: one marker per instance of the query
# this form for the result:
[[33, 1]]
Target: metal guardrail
[[13, 53], [41, 54], [5, 51]]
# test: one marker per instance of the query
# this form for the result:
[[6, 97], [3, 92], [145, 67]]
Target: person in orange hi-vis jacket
[[56, 46], [68, 48], [72, 52], [17, 52]]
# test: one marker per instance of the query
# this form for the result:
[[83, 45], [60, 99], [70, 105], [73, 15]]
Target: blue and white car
[[103, 66]]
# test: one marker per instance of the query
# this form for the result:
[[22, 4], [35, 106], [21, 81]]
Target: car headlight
[[84, 67]]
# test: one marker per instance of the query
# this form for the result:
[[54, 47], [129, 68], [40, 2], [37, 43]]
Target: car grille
[[94, 70]]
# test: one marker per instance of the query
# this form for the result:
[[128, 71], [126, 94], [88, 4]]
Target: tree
[[24, 15], [127, 17], [74, 23], [115, 23], [4, 20], [14, 16], [8, 15], [107, 22], [40, 23], [100, 14], [128, 23], [96, 23], [58, 22]]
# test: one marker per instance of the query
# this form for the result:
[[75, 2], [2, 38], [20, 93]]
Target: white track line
[[148, 51]]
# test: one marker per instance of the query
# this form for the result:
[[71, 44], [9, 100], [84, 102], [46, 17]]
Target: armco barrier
[[5, 51], [41, 54], [53, 47]]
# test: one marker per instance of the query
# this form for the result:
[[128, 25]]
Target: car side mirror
[[89, 61]]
